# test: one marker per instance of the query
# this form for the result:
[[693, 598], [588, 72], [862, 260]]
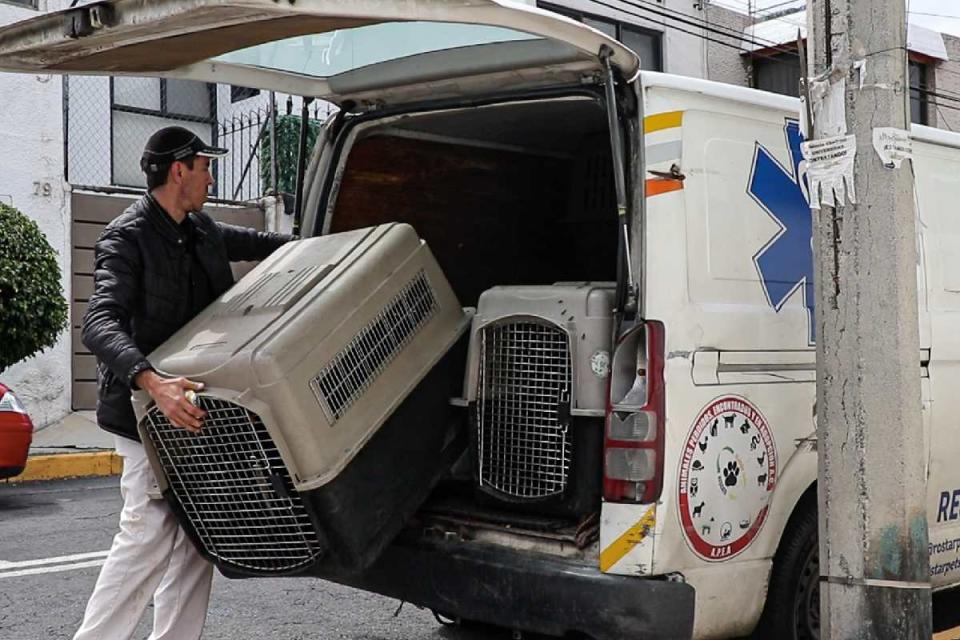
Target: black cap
[[175, 143]]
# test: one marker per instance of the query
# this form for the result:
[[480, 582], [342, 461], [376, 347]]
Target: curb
[[70, 465]]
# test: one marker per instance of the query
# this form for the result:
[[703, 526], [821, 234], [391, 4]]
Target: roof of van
[[769, 100]]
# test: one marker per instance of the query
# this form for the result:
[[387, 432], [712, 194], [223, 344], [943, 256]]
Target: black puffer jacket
[[140, 287]]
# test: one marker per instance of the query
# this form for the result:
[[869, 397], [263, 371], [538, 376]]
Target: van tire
[[792, 610]]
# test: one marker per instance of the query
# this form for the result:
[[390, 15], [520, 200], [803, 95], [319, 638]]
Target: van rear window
[[336, 52]]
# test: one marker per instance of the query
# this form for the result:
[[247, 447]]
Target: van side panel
[[938, 191], [729, 272]]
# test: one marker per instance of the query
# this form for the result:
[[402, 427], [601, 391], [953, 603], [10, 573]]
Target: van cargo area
[[509, 195], [518, 193], [484, 482], [517, 202]]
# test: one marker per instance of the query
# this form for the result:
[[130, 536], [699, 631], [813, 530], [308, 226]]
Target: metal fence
[[108, 121], [255, 139]]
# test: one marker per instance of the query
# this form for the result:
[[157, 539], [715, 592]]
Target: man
[[156, 265]]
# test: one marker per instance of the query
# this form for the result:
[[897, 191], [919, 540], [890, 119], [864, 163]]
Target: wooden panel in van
[[490, 216]]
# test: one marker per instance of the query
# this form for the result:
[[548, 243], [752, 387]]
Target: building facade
[[768, 59], [943, 101], [32, 180]]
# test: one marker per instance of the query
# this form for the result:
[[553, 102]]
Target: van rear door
[[363, 50]]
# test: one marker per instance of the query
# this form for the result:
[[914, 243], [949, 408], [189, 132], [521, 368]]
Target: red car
[[16, 433]]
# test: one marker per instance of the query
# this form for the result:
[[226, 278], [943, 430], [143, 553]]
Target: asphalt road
[[65, 527], [53, 536]]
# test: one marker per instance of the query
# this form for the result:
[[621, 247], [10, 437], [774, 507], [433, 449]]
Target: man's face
[[195, 183]]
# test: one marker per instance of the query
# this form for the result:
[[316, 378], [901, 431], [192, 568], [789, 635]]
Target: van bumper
[[528, 592]]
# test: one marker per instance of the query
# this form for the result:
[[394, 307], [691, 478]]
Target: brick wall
[[725, 64], [945, 114]]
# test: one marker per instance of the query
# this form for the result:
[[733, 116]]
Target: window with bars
[[646, 43], [140, 106]]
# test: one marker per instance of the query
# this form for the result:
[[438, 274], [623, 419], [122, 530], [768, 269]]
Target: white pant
[[150, 557]]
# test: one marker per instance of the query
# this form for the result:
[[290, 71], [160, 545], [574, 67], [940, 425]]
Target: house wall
[[946, 82], [31, 179], [724, 63], [90, 132]]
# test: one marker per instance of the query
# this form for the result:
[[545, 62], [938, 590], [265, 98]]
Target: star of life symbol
[[785, 263]]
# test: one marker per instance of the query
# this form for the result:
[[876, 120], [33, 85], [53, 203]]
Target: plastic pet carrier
[[327, 374], [536, 387]]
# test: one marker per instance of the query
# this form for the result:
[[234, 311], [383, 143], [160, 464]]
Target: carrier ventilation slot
[[523, 410], [235, 489], [357, 366]]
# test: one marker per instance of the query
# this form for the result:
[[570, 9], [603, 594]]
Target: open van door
[[362, 51]]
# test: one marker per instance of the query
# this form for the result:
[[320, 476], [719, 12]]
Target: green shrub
[[288, 147], [33, 311]]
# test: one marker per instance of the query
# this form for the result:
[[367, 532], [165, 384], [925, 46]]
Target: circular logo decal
[[727, 475], [600, 363]]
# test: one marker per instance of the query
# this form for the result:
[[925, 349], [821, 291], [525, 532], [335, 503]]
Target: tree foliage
[[288, 147], [33, 310]]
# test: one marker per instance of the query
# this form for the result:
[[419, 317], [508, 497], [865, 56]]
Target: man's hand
[[169, 395]]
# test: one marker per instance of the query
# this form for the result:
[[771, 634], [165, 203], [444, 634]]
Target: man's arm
[[106, 324], [248, 244], [106, 329]]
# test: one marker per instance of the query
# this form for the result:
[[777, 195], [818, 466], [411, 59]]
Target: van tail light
[[634, 438]]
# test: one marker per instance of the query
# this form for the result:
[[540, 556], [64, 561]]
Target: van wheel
[[792, 611]]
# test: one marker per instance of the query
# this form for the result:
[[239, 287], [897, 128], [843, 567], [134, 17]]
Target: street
[[54, 537]]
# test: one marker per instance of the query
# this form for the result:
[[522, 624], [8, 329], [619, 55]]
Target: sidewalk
[[74, 447]]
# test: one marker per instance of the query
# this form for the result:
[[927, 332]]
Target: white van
[[659, 481]]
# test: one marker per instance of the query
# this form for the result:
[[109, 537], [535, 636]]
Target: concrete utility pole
[[873, 526]]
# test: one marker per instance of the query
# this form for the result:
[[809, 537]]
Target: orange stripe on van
[[661, 121], [656, 186], [630, 539]]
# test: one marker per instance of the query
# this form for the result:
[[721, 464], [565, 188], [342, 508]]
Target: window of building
[[242, 93], [140, 106], [30, 4], [919, 96], [778, 73], [645, 43]]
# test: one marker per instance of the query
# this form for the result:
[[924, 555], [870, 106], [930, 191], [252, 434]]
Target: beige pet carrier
[[327, 373]]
